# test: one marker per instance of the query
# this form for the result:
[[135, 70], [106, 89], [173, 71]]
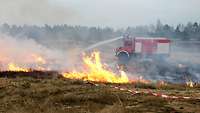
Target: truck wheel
[[123, 58]]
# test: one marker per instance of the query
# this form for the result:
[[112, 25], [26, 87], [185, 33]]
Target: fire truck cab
[[143, 48]]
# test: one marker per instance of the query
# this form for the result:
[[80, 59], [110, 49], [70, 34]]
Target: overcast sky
[[114, 13]]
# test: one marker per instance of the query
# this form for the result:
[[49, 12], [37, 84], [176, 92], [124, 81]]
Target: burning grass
[[94, 70], [61, 95], [94, 89]]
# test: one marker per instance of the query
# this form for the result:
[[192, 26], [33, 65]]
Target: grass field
[[59, 95]]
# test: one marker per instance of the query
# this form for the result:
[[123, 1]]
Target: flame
[[96, 71], [40, 62], [33, 62], [14, 67], [190, 84]]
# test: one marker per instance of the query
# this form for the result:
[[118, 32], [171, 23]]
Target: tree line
[[189, 31]]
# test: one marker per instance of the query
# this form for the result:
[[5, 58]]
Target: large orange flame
[[96, 71]]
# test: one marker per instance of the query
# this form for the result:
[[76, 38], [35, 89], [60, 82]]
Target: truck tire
[[123, 58]]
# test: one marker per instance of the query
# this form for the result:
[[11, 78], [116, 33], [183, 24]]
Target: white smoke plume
[[27, 53]]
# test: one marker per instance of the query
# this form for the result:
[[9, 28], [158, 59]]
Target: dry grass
[[58, 95]]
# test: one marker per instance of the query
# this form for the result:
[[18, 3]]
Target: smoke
[[37, 12], [27, 53], [181, 66]]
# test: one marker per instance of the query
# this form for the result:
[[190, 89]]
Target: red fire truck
[[143, 48], [149, 56]]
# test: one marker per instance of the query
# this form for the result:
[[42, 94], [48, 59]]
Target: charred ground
[[22, 94]]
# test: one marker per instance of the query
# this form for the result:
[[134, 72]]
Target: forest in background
[[80, 34]]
